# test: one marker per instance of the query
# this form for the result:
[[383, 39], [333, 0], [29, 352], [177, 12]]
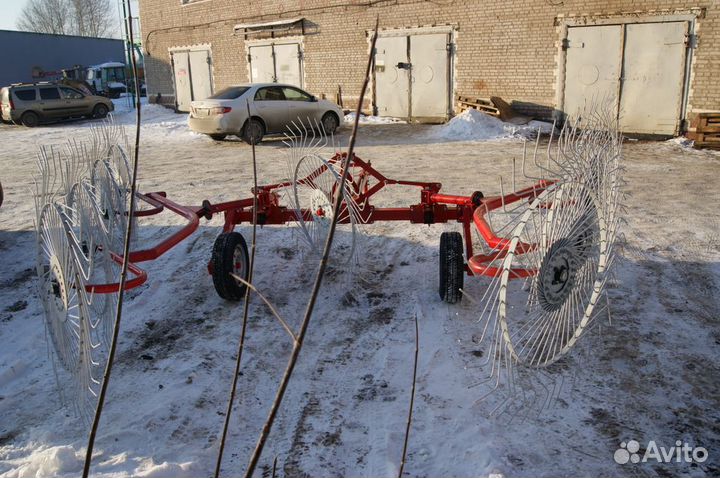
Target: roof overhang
[[278, 25]]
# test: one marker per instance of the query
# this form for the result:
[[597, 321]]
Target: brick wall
[[504, 48]]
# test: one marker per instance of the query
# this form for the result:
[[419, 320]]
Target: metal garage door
[[193, 78], [642, 64], [276, 63], [412, 76], [594, 59], [392, 77], [653, 77]]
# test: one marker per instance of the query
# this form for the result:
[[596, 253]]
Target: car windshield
[[229, 93]]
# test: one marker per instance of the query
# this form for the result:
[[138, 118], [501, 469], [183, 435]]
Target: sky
[[11, 11]]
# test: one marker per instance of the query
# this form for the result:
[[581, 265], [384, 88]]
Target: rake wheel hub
[[557, 275]]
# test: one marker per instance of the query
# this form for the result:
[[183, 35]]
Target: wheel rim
[[113, 200], [255, 131], [58, 289], [330, 124], [543, 316], [239, 264]]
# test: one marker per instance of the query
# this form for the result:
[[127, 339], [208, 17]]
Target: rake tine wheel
[[552, 273], [314, 184]]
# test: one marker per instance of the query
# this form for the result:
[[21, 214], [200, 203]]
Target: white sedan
[[273, 107]]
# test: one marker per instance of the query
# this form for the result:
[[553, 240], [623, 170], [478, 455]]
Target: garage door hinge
[[450, 47], [691, 40], [565, 44], [249, 58], [208, 60]]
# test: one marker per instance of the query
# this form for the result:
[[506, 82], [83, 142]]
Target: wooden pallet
[[481, 104], [707, 133]]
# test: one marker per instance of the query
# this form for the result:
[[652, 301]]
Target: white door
[[262, 64], [429, 83], [200, 76], [593, 63], [653, 77], [183, 88], [640, 65], [392, 76], [287, 63]]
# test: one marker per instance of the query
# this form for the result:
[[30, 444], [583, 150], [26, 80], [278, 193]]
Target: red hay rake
[[364, 182], [545, 268]]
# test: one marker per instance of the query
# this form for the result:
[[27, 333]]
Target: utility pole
[[129, 45]]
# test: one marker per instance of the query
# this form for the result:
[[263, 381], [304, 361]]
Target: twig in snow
[[243, 329], [412, 400], [125, 261], [318, 278]]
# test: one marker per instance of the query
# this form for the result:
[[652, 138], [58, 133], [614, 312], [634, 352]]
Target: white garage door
[[412, 76], [276, 63], [642, 64], [193, 77], [653, 77]]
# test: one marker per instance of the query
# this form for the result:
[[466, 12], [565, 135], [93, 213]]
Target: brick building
[[661, 58]]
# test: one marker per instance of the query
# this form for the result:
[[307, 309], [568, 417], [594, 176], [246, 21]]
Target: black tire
[[330, 123], [253, 131], [452, 267], [218, 137], [30, 119], [100, 110], [225, 261]]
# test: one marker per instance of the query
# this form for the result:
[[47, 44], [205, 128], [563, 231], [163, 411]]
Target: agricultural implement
[[546, 262]]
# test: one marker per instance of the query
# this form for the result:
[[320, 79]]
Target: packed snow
[[473, 125], [653, 374], [370, 119]]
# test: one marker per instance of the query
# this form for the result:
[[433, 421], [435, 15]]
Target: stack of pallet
[[707, 132], [481, 104]]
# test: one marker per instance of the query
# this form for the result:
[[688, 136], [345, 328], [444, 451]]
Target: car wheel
[[30, 119], [329, 123], [100, 111], [253, 131], [218, 137]]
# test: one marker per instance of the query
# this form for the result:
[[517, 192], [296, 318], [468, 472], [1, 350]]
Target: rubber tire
[[217, 137], [452, 267], [223, 264], [256, 123], [30, 119], [100, 111], [329, 116]]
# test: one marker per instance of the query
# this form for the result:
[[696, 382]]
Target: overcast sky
[[10, 11]]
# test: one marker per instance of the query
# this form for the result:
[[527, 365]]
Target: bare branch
[[262, 439], [412, 400]]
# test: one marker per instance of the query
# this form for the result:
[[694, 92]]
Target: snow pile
[[365, 119], [472, 125], [65, 461], [45, 461], [681, 141], [158, 118]]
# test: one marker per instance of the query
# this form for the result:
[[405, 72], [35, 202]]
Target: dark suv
[[32, 104]]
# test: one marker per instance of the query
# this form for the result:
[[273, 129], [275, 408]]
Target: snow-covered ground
[[654, 374]]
